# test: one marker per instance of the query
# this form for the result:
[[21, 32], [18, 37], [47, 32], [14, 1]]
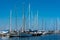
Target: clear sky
[[46, 8]]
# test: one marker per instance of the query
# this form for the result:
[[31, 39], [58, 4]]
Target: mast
[[57, 20], [10, 19], [56, 24], [51, 24], [37, 19], [29, 16], [16, 20], [23, 18], [42, 24]]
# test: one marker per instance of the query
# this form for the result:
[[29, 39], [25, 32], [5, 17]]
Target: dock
[[28, 34]]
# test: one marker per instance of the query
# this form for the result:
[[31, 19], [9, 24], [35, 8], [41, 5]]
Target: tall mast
[[42, 24], [37, 19], [57, 23], [10, 19], [23, 18], [16, 20], [29, 16]]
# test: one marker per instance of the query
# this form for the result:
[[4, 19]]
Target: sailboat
[[43, 31], [23, 32], [5, 34], [11, 32], [37, 32], [57, 25]]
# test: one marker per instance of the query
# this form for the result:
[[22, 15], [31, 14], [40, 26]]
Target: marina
[[23, 32], [29, 20], [27, 33]]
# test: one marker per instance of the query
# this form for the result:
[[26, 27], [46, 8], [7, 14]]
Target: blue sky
[[47, 9]]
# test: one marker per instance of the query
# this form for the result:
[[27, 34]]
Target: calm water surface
[[43, 37]]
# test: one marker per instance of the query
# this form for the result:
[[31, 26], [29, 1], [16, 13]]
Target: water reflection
[[44, 37], [4, 38]]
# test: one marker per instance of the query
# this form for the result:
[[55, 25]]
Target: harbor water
[[43, 37]]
